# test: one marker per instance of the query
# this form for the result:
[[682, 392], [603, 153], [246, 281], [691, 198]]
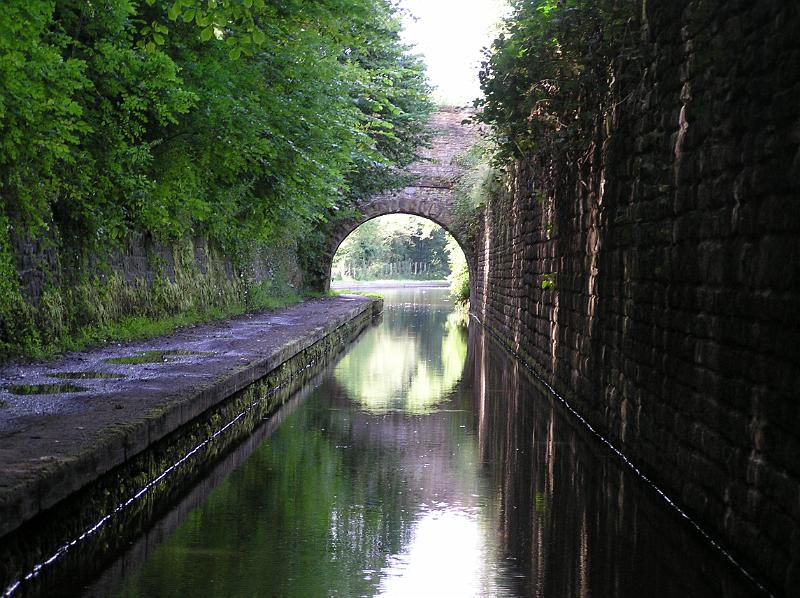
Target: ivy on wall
[[555, 59]]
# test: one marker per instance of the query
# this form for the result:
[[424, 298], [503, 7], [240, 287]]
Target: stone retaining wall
[[657, 284], [64, 289]]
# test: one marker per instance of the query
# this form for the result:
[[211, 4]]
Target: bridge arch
[[429, 196], [414, 201]]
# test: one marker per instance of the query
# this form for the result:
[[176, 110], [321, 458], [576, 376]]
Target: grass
[[134, 328], [86, 376], [44, 389], [370, 294], [152, 356]]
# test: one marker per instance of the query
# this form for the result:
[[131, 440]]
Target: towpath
[[91, 411]]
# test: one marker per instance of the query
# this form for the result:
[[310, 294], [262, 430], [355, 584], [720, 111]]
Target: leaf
[[207, 33], [174, 12], [259, 37], [234, 53]]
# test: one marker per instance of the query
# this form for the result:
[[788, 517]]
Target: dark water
[[425, 464]]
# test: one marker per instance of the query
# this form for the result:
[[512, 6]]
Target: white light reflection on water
[[406, 372], [448, 556]]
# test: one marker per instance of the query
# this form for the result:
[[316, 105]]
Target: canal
[[426, 462]]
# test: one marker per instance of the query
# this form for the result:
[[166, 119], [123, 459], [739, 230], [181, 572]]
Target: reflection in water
[[446, 556], [423, 466], [407, 372], [579, 522]]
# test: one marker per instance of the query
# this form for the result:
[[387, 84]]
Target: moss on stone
[[104, 298]]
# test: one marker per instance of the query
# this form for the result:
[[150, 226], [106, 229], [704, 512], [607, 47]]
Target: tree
[[233, 119], [397, 239], [243, 121]]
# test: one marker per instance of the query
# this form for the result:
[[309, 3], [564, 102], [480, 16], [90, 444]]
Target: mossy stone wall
[[61, 291]]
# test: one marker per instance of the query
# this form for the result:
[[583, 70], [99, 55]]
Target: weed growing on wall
[[17, 328], [475, 184]]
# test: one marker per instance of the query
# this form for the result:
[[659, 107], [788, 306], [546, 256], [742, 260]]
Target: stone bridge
[[430, 195]]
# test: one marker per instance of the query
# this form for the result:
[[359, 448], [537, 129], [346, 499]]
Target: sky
[[450, 34]]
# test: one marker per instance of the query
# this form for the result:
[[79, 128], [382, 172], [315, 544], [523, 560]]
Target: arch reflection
[[413, 372]]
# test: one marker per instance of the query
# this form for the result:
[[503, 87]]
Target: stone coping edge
[[118, 444]]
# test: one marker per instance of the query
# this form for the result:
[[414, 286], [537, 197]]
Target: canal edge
[[534, 372], [25, 501]]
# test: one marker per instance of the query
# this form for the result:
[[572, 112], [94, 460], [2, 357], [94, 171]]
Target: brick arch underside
[[433, 204]]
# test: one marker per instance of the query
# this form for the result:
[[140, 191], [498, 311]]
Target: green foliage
[[370, 294], [554, 60], [132, 328], [17, 328], [235, 119], [166, 307], [241, 121], [394, 239], [549, 82], [459, 273], [475, 184], [393, 97], [459, 285], [263, 296]]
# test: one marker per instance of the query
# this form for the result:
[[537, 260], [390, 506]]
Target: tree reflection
[[421, 481], [413, 372]]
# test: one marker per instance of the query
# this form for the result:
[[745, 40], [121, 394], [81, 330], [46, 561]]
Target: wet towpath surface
[[64, 423], [425, 462]]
